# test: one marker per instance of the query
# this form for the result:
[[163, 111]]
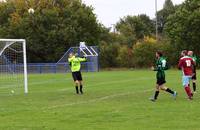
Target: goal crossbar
[[13, 40]]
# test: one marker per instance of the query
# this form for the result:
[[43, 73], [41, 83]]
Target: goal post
[[13, 63], [91, 52]]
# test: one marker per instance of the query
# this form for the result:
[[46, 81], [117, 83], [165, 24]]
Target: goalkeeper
[[75, 64]]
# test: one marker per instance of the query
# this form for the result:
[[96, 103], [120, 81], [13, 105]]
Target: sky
[[109, 12]]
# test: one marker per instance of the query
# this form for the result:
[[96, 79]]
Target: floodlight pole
[[156, 20], [114, 29]]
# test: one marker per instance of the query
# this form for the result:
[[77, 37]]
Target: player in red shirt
[[186, 64]]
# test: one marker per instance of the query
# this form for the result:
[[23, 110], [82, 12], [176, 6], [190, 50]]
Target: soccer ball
[[31, 11], [12, 91]]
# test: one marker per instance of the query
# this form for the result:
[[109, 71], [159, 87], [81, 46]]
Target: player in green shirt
[[161, 66], [75, 64], [194, 78]]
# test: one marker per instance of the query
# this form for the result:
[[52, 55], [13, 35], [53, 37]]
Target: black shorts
[[194, 77], [160, 81], [77, 76]]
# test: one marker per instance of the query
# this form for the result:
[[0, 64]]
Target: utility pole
[[113, 28]]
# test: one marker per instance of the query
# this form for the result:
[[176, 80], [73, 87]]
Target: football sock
[[194, 87], [169, 91], [156, 95], [188, 91], [77, 90], [81, 89]]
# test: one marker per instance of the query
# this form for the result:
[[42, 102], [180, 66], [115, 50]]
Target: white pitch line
[[106, 83], [39, 82], [66, 79], [114, 82], [97, 99]]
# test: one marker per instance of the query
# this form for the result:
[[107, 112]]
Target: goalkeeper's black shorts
[[77, 76]]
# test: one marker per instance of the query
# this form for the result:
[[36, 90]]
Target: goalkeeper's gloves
[[70, 64], [84, 56]]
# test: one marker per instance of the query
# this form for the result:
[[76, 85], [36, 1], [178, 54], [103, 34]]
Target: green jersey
[[195, 59], [161, 66], [75, 63]]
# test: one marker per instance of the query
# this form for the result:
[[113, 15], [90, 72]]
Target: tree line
[[58, 24]]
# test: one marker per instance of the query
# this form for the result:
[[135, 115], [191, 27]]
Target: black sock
[[169, 91], [77, 90], [194, 87], [81, 89], [156, 94]]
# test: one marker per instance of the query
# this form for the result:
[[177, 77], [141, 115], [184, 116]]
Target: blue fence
[[62, 66], [58, 68]]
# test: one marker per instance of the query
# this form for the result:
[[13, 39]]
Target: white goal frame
[[23, 41], [87, 51]]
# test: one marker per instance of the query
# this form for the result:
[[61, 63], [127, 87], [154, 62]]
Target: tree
[[134, 28], [148, 23], [52, 29], [108, 55], [183, 27], [162, 15]]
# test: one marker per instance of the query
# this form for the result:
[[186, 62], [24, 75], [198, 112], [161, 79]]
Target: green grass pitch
[[116, 100]]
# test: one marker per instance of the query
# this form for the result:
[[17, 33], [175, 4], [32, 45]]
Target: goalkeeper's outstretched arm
[[84, 59]]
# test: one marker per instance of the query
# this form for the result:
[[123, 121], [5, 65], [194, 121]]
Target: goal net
[[13, 66], [91, 52]]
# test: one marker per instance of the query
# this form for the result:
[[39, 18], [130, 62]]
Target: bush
[[141, 55], [108, 55], [144, 53], [125, 57]]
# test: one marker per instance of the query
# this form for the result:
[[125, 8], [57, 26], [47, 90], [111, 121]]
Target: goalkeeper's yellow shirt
[[75, 63]]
